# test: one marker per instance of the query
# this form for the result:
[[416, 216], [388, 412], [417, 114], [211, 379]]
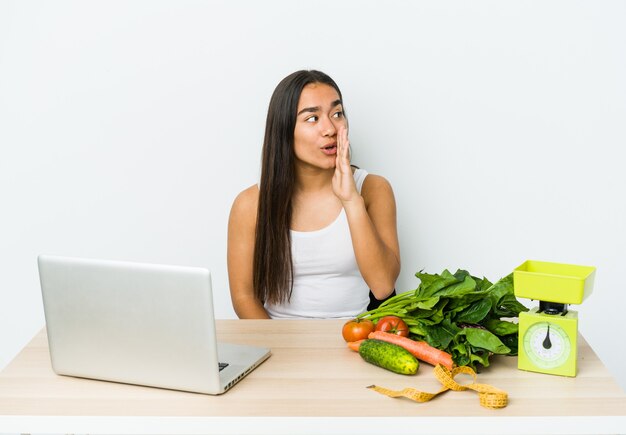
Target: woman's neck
[[314, 179]]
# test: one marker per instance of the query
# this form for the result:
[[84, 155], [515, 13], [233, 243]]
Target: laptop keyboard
[[222, 366]]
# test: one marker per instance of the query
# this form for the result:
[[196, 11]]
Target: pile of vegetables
[[387, 345], [459, 314]]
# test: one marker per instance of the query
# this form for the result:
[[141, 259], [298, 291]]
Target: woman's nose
[[329, 128]]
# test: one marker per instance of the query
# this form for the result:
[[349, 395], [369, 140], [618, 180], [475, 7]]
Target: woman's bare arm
[[241, 236], [372, 221]]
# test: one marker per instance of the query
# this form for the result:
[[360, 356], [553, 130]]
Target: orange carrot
[[419, 349], [354, 345]]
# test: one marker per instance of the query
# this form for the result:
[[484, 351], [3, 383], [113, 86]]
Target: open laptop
[[138, 323]]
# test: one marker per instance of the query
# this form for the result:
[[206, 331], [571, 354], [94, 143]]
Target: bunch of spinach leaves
[[460, 314]]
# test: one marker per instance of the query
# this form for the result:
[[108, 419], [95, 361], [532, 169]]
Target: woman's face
[[319, 117]]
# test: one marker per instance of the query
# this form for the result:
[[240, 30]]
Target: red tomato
[[393, 325], [357, 329]]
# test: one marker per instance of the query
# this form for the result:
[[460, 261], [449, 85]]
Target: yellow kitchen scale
[[548, 334]]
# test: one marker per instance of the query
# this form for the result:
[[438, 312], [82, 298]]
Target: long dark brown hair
[[273, 266]]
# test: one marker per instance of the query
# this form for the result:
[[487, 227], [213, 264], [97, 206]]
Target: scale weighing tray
[[553, 282]]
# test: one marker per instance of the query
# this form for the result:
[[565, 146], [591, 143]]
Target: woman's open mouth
[[330, 149]]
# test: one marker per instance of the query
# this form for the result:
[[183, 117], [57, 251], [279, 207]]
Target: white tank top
[[326, 278]]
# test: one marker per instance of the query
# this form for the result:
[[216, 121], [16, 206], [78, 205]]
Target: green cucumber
[[388, 356]]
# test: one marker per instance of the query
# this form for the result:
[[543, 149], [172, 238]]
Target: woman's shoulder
[[246, 203], [375, 187], [374, 182]]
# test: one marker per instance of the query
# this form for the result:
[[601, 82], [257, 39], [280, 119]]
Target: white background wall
[[127, 128]]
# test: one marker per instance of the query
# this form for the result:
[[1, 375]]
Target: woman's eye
[[338, 114], [312, 119]]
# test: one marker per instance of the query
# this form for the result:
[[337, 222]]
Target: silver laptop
[[138, 323]]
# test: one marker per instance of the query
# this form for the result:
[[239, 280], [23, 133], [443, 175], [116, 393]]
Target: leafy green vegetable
[[500, 327], [460, 314], [475, 312], [483, 339]]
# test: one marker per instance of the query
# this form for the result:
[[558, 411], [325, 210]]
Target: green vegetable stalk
[[460, 314]]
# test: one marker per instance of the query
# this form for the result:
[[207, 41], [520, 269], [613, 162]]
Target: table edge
[[312, 425]]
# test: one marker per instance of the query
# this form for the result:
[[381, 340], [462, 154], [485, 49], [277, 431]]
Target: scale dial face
[[547, 345]]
